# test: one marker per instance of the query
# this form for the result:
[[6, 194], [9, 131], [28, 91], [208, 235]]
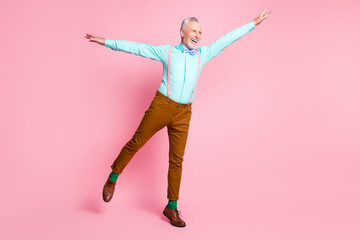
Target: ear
[[182, 33]]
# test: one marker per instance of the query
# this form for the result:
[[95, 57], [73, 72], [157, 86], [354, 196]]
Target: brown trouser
[[162, 112]]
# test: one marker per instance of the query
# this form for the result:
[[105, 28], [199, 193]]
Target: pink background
[[273, 150]]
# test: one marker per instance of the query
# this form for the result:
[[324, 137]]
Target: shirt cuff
[[252, 25], [108, 43]]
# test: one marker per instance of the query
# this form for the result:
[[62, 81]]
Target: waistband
[[159, 94]]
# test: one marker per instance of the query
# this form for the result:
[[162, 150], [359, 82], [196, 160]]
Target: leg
[[155, 118], [178, 132]]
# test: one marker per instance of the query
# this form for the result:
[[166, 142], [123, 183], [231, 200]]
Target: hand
[[262, 16], [96, 39]]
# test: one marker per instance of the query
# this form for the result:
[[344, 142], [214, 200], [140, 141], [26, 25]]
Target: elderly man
[[172, 103]]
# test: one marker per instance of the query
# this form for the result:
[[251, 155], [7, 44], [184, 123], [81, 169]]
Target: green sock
[[172, 205], [113, 177]]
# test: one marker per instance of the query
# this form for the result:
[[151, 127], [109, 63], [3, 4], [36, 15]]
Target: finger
[[263, 12], [267, 14]]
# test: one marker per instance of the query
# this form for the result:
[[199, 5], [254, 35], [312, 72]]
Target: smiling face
[[192, 35]]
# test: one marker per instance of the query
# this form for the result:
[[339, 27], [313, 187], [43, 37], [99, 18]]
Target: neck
[[183, 43]]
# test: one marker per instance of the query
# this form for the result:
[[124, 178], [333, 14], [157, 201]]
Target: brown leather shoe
[[108, 190], [173, 216]]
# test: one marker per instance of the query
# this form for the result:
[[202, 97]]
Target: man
[[172, 103]]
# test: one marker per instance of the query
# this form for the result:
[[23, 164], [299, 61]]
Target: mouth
[[194, 40]]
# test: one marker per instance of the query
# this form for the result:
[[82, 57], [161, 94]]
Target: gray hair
[[186, 21]]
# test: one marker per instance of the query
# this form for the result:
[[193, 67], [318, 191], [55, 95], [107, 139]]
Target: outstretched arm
[[219, 45], [155, 52]]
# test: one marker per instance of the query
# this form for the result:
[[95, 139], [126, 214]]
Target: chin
[[191, 46]]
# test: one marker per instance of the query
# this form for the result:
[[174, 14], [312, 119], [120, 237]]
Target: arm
[[155, 52], [219, 45], [158, 52]]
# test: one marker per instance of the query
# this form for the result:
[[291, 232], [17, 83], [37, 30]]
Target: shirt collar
[[181, 47]]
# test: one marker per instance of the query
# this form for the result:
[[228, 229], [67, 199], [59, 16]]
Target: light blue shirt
[[184, 66]]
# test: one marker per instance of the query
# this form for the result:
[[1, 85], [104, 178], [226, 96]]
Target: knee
[[135, 143], [175, 162]]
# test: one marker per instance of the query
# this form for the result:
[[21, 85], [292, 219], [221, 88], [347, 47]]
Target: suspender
[[169, 58], [197, 75]]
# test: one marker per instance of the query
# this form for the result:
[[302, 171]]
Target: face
[[192, 35]]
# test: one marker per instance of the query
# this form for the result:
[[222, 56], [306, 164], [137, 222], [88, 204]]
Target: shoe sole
[[171, 222]]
